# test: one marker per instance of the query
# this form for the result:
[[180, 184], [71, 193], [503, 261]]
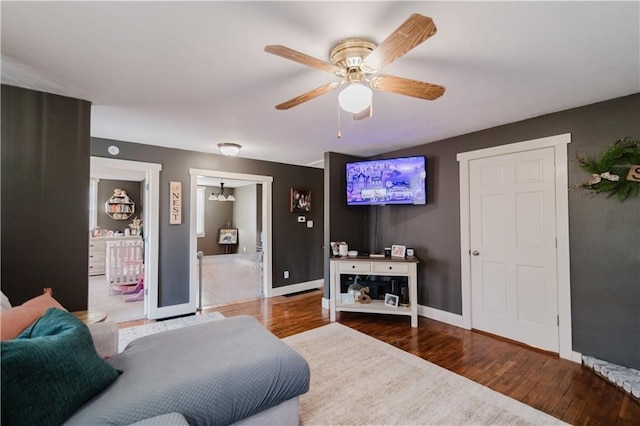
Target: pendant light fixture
[[221, 196]]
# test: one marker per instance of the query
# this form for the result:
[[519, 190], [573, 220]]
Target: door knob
[[475, 252]]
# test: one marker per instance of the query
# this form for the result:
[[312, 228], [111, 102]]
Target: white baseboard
[[442, 316], [294, 288], [575, 357], [325, 303]]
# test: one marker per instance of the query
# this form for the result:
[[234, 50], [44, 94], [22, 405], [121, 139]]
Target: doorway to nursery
[[123, 250]]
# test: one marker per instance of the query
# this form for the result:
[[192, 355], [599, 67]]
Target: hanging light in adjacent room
[[229, 149], [220, 196]]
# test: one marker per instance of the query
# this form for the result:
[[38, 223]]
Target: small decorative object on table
[[398, 251], [135, 226], [391, 300]]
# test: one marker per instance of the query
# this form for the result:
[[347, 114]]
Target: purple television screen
[[389, 181]]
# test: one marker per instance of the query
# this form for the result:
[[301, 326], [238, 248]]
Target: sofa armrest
[[105, 338]]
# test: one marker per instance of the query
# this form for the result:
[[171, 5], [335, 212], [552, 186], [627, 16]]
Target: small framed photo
[[391, 300], [300, 200], [398, 251], [347, 299], [228, 236]]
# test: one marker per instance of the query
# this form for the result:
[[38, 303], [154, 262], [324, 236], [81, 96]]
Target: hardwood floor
[[562, 388]]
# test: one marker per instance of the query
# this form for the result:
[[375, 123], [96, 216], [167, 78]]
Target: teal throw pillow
[[51, 370]]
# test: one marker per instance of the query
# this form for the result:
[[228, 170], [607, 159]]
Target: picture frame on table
[[347, 299], [398, 251], [391, 300]]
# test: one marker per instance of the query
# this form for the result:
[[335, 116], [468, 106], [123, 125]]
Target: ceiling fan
[[358, 62]]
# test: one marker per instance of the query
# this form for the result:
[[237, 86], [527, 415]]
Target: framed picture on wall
[[300, 200], [228, 236]]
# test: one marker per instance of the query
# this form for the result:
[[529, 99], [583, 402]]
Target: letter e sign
[[175, 203]]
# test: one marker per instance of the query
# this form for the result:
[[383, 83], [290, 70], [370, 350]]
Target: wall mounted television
[[388, 181]]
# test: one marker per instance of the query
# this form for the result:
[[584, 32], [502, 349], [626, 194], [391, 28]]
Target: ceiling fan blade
[[411, 33], [307, 96], [365, 113], [301, 58], [407, 87]]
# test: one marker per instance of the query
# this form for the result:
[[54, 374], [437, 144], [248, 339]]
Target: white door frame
[[559, 143], [151, 221], [267, 205]]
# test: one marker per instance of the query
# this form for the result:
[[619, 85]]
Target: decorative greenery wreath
[[610, 173]]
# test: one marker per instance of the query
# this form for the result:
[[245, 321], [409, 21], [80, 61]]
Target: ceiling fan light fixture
[[229, 149], [355, 97]]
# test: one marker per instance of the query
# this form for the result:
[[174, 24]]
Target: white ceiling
[[193, 74]]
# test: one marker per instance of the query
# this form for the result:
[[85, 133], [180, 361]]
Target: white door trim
[[559, 143], [151, 222], [267, 205]]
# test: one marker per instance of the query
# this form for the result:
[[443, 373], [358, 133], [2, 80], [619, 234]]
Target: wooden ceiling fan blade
[[411, 33], [407, 87], [301, 58], [365, 113], [307, 96]]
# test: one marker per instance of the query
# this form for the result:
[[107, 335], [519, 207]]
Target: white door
[[514, 290]]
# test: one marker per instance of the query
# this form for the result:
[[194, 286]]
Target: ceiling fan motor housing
[[351, 52]]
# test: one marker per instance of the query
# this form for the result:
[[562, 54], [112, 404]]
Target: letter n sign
[[175, 200]]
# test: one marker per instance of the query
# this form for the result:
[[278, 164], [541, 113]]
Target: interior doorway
[[229, 240], [559, 244], [513, 260], [103, 296], [230, 236]]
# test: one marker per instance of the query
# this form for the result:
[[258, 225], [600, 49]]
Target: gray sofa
[[232, 371]]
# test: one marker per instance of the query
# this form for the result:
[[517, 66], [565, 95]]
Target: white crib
[[124, 262]]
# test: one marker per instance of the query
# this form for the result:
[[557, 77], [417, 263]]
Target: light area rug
[[359, 380], [126, 335]]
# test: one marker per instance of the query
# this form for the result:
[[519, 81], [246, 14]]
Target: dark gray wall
[[296, 248], [342, 222], [105, 190], [45, 197], [216, 215], [604, 234]]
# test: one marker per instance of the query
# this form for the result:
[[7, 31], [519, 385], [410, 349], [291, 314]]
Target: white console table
[[386, 267]]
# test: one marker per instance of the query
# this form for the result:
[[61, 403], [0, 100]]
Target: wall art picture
[[300, 200], [175, 198], [228, 236]]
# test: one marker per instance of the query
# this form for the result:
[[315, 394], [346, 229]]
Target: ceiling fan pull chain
[[339, 133]]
